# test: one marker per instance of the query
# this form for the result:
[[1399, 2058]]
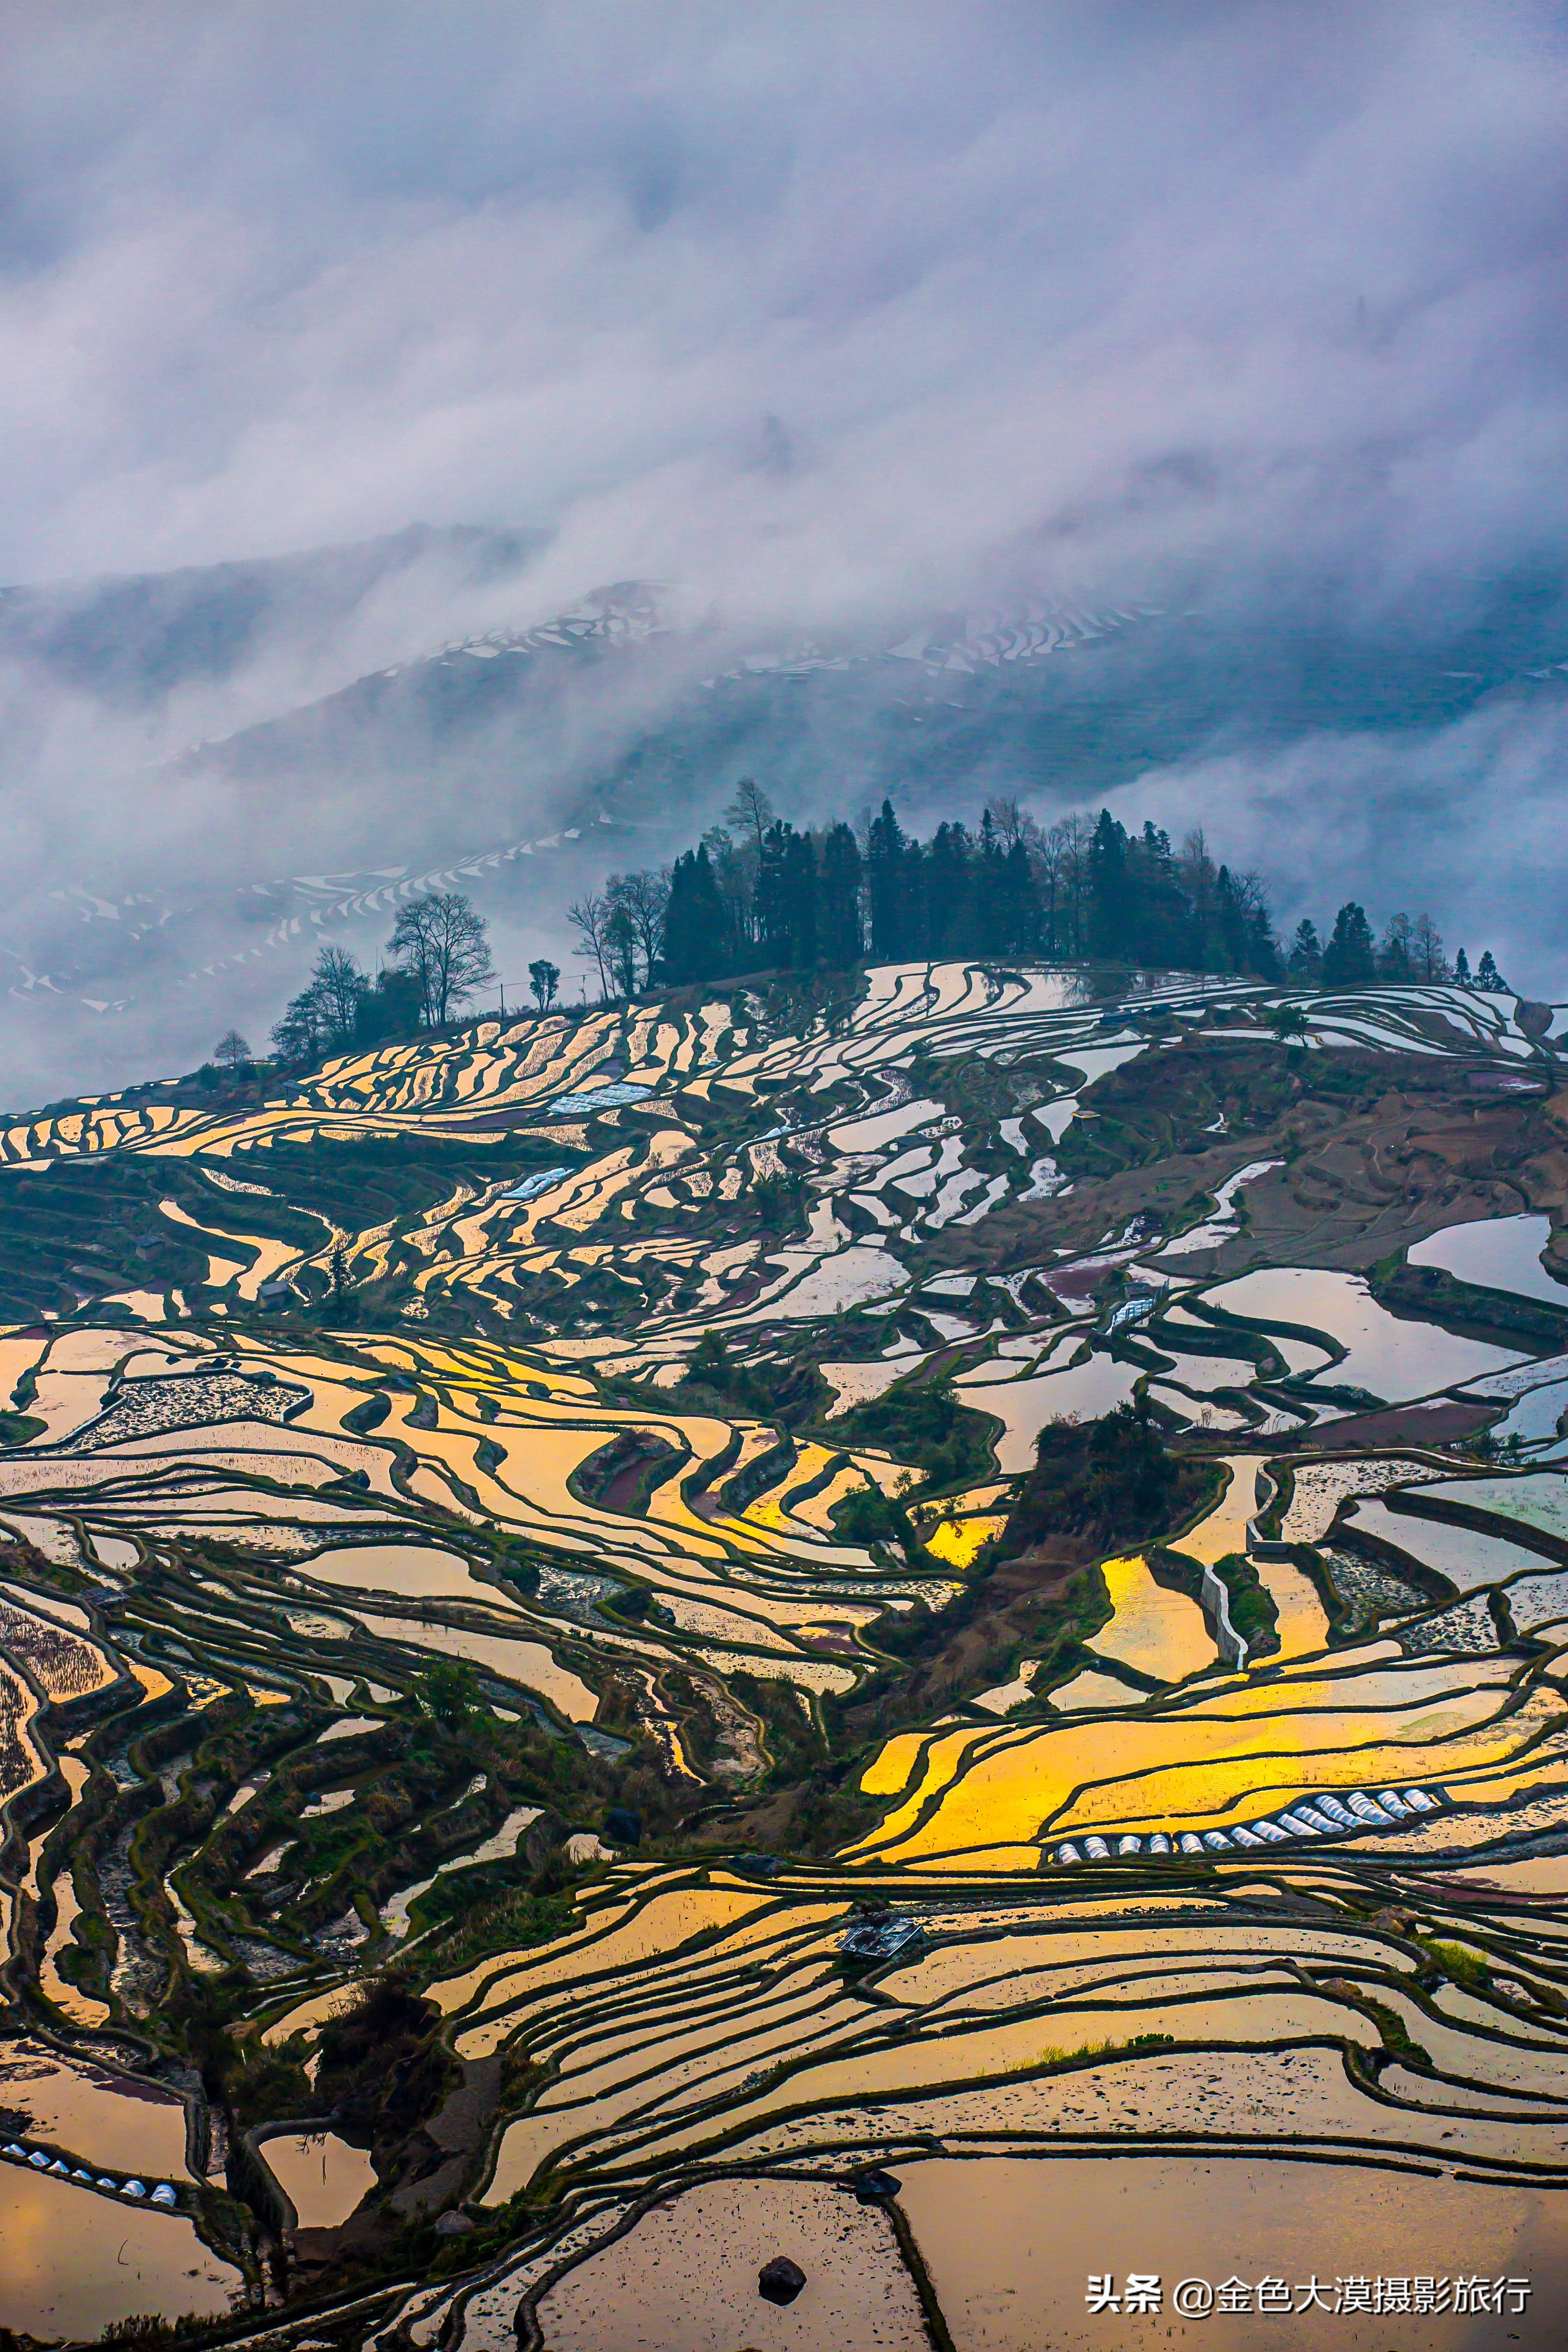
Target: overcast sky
[[277, 275], [816, 313]]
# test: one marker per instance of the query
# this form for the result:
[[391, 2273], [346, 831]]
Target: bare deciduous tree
[[645, 897], [441, 943], [588, 918], [339, 987], [621, 947], [751, 811], [1426, 951]]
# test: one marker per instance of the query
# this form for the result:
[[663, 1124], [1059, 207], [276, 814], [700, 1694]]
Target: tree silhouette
[[588, 918], [442, 943], [1350, 958]]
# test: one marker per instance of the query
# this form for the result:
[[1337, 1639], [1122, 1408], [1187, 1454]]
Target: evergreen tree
[[990, 921], [791, 900], [1262, 947], [1305, 960], [914, 932], [1107, 910], [735, 871], [1204, 950], [771, 907], [886, 880], [1232, 920], [1020, 902], [800, 893], [694, 923], [1350, 958], [838, 905], [947, 891], [1159, 909], [390, 1008]]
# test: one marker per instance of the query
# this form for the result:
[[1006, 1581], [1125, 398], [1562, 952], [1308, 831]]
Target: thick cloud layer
[[822, 315], [1110, 281]]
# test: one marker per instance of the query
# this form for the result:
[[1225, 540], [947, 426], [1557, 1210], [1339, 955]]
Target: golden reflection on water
[[323, 2177], [1156, 1631], [71, 2263], [1193, 1765]]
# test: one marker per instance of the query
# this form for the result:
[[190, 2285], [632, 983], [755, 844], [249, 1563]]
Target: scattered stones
[[875, 2187], [781, 2280]]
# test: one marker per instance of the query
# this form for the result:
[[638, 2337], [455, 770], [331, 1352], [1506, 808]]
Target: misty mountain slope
[[1067, 701], [610, 733], [132, 640], [538, 692]]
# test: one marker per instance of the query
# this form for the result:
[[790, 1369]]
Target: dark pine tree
[[1232, 919], [1262, 947], [694, 927], [886, 885], [800, 899], [838, 899], [1306, 957], [990, 925], [1158, 908], [1107, 909], [1349, 959], [913, 931], [947, 893], [1020, 902], [771, 902]]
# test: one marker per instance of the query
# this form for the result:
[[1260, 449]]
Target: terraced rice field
[[578, 1748]]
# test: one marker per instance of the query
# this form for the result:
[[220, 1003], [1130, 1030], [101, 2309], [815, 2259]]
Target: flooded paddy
[[1498, 1254], [1468, 1558], [1392, 1359], [71, 2264], [775, 1862], [1157, 1630], [112, 2121], [323, 2177], [686, 2275], [1025, 1406], [1010, 2243], [415, 1571]]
